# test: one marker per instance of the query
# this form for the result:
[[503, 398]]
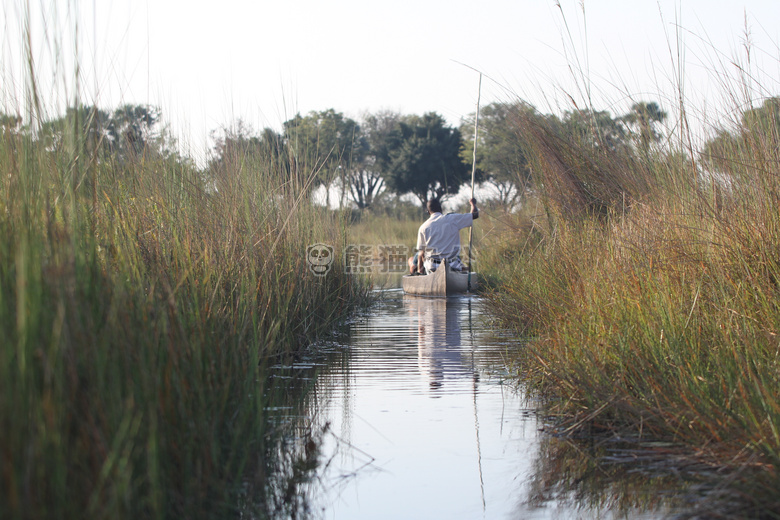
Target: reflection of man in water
[[438, 338]]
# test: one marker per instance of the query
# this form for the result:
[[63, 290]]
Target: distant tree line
[[357, 161], [113, 145], [384, 152]]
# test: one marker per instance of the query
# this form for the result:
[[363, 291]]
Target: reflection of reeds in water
[[620, 477], [293, 460], [588, 476]]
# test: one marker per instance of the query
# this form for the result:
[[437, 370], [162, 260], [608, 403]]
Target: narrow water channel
[[418, 418]]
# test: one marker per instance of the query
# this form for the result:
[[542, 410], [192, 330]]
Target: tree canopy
[[594, 128], [424, 158], [641, 122], [732, 151], [366, 178], [122, 135], [237, 149], [501, 160], [322, 143]]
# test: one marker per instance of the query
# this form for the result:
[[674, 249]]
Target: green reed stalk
[[651, 295], [138, 309]]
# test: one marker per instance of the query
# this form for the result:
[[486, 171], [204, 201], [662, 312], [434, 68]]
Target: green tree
[[719, 151], [123, 135], [641, 123], [236, 149], [367, 176], [749, 147], [424, 158], [131, 130], [592, 128], [238, 143], [84, 123], [501, 160], [10, 124], [765, 119], [322, 144]]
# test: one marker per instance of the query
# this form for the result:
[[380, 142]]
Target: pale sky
[[207, 63]]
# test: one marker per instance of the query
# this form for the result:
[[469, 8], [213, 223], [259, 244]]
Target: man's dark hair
[[433, 205]]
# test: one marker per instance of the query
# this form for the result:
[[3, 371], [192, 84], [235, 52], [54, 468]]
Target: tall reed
[[650, 290], [138, 308]]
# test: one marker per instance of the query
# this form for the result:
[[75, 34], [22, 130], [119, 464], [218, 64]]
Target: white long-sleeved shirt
[[439, 236]]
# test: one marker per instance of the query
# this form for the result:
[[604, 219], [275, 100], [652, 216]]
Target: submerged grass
[[138, 307], [653, 305]]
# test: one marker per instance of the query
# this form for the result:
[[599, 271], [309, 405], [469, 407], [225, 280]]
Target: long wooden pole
[[474, 170]]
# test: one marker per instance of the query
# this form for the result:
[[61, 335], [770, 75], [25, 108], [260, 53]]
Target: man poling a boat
[[439, 238]]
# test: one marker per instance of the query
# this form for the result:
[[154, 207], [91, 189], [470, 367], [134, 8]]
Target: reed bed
[[649, 289], [376, 230], [140, 303]]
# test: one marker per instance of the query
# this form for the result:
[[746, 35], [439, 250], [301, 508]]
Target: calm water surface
[[419, 420]]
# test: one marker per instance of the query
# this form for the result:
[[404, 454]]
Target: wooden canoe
[[442, 282]]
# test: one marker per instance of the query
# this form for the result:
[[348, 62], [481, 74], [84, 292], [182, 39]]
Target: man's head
[[433, 206]]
